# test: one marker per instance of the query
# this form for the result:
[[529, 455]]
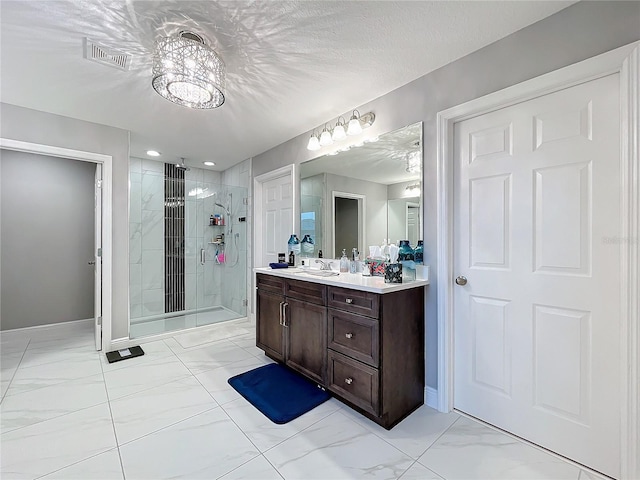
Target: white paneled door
[[97, 215], [277, 217], [537, 195]]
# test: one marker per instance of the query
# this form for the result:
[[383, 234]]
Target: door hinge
[[245, 302], [245, 201], [99, 252], [99, 321], [99, 184]]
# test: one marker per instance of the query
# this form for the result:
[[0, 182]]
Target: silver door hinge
[[100, 252], [245, 302], [100, 321], [245, 201]]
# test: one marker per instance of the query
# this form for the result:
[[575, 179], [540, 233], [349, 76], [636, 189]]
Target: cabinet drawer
[[306, 291], [269, 283], [354, 381], [354, 335], [355, 301]]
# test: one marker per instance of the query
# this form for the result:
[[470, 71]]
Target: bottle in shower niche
[[344, 262]]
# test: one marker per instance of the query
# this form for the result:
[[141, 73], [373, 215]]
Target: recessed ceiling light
[[153, 153], [209, 164]]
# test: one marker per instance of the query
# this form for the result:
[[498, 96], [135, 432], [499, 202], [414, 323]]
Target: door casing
[[106, 162], [625, 61]]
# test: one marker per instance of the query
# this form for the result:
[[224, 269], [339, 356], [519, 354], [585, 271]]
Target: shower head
[[226, 209], [182, 166]]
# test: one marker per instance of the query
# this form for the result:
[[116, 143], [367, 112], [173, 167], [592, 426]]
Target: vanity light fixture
[[188, 72], [209, 164], [412, 188], [355, 126], [153, 153]]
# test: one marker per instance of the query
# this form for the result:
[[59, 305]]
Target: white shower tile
[[190, 285], [48, 446], [471, 450], [337, 448], [135, 283], [152, 230], [135, 310], [152, 166], [135, 165], [135, 203], [105, 466], [152, 272], [191, 218], [35, 406], [152, 191], [152, 302], [156, 408], [206, 446], [135, 243]]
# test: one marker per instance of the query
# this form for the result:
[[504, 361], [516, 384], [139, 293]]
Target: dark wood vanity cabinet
[[366, 348], [291, 324]]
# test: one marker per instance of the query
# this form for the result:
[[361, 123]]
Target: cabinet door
[[307, 334], [269, 331]]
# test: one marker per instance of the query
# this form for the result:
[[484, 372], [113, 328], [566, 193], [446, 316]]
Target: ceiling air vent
[[105, 55]]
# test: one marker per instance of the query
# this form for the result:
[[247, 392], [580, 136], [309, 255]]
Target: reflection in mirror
[[364, 195]]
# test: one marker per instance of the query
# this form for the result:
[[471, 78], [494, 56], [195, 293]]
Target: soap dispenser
[[344, 262]]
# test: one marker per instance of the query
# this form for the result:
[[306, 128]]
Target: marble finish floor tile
[[224, 331], [216, 380], [105, 466], [265, 434], [418, 471], [35, 406], [257, 469], [207, 358], [150, 410], [249, 344], [139, 377], [41, 356], [206, 446], [45, 447], [415, 433], [152, 352], [471, 450], [586, 475], [337, 448], [44, 375]]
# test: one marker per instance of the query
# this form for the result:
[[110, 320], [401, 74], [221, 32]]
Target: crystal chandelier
[[188, 72]]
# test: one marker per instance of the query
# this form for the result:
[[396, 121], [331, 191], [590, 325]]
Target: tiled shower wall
[[311, 201], [146, 238]]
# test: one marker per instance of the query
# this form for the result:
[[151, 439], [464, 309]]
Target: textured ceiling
[[291, 65]]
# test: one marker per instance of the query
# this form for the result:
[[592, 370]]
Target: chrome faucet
[[323, 265]]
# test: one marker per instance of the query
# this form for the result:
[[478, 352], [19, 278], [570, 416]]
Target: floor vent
[[105, 55]]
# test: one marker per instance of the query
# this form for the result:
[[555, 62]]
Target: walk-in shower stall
[[187, 248]]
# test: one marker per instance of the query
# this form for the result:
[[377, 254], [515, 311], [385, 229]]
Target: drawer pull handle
[[348, 335], [349, 300], [348, 381]]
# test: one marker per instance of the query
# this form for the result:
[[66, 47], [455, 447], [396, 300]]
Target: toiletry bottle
[[211, 219], [319, 253], [344, 262], [354, 259], [292, 259]]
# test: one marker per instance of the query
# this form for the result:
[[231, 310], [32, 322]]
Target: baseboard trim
[[431, 397], [47, 325]]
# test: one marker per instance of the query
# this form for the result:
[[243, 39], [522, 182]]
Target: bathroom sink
[[321, 273]]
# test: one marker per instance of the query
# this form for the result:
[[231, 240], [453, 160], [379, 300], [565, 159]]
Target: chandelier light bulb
[[338, 131], [325, 137]]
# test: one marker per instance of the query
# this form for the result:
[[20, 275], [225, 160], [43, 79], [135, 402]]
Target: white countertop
[[346, 280]]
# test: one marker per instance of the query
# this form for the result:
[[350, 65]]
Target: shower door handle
[[202, 256]]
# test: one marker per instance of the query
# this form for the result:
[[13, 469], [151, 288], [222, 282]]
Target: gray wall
[[576, 33], [47, 239], [38, 127]]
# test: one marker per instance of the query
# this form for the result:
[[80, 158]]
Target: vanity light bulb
[[314, 143], [354, 127], [339, 133], [325, 138]]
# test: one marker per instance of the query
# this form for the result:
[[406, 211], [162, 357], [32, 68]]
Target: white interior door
[[98, 257], [537, 327], [277, 217]]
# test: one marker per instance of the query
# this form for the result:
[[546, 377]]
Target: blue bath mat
[[280, 394]]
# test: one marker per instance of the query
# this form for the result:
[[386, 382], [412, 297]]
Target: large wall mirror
[[358, 197]]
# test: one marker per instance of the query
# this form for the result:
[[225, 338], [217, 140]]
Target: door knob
[[461, 280], [92, 263]]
